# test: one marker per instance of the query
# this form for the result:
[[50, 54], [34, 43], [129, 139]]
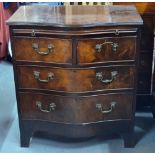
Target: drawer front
[[106, 49], [76, 110], [76, 80], [43, 49]]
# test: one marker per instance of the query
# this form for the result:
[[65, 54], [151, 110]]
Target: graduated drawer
[[76, 80], [92, 50], [50, 50], [76, 110]]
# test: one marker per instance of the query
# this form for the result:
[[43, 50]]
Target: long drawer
[[95, 50], [50, 50], [76, 110], [76, 80]]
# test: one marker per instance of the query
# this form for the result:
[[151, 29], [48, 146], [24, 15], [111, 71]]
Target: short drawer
[[76, 80], [76, 110], [106, 49], [49, 50]]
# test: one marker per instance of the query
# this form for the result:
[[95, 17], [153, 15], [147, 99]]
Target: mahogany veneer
[[75, 70]]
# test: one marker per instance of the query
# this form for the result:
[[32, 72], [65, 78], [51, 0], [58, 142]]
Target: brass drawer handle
[[52, 107], [98, 47], [36, 48], [37, 76], [99, 77], [100, 108]]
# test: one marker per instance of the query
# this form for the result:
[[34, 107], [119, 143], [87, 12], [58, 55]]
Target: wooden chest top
[[76, 16]]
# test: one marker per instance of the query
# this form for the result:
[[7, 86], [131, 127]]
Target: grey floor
[[9, 131]]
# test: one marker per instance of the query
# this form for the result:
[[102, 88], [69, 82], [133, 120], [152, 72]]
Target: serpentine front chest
[[75, 70]]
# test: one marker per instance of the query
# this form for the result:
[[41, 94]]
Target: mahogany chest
[[75, 70]]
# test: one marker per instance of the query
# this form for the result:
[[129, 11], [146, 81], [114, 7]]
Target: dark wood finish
[[87, 53], [76, 80], [75, 16], [61, 53], [71, 32], [85, 111], [74, 90], [76, 131], [147, 12], [129, 139]]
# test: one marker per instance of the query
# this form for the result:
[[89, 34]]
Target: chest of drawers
[[75, 70]]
